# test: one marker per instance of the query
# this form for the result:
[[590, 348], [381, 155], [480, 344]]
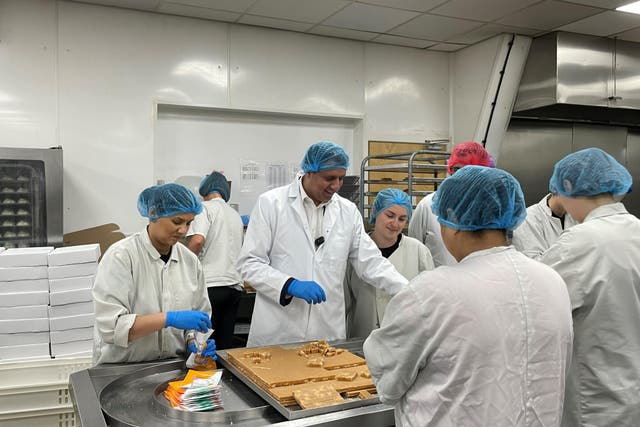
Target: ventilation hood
[[581, 78]]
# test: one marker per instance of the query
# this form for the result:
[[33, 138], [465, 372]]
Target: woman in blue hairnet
[[149, 292], [486, 341], [366, 304], [599, 259]]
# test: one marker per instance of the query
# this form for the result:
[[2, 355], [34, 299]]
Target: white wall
[[89, 78]]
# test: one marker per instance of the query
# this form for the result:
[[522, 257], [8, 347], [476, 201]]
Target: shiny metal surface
[[627, 82], [612, 139]]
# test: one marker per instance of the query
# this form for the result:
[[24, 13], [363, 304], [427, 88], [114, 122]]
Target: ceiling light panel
[[431, 27], [365, 17]]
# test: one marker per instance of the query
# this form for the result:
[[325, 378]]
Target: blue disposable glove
[[310, 291], [188, 319], [209, 351]]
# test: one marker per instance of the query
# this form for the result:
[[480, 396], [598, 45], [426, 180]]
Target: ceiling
[[441, 25]]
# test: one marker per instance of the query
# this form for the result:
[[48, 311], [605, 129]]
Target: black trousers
[[224, 307]]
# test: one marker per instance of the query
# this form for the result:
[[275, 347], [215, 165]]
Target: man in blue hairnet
[[149, 293], [299, 240], [483, 342], [215, 236], [599, 259]]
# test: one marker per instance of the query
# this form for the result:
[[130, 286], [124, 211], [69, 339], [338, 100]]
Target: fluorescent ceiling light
[[631, 8]]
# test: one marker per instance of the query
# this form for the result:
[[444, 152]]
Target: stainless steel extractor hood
[[581, 78]]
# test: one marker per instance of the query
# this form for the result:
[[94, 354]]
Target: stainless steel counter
[[131, 395]]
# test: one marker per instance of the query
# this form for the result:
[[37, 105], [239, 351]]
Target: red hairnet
[[469, 153]]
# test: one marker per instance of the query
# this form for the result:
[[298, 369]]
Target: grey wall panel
[[632, 201], [529, 151], [612, 139]]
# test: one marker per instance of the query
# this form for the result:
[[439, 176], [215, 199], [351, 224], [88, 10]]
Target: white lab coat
[[278, 245], [366, 304], [425, 227], [600, 262], [485, 342], [222, 229], [133, 280], [539, 230]]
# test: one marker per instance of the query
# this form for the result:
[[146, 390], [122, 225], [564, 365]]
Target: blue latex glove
[[188, 319], [210, 351], [310, 291]]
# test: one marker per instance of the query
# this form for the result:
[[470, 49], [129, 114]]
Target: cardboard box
[[73, 270], [70, 297], [75, 254], [71, 309], [15, 326], [105, 235], [20, 351], [71, 322], [24, 338], [81, 334], [25, 286], [24, 312], [24, 298], [70, 283], [25, 257], [71, 347], [23, 273]]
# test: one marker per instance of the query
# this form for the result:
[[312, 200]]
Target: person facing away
[[486, 341], [599, 260], [366, 304], [296, 249], [215, 236], [545, 221], [424, 224], [149, 293]]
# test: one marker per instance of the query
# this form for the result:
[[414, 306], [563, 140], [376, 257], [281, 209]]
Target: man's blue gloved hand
[[311, 292], [209, 351], [188, 319]]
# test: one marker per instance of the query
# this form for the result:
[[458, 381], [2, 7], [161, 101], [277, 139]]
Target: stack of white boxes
[[24, 295], [72, 271]]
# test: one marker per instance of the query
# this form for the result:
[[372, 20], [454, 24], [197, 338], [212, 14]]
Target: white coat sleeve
[[113, 291], [566, 258], [425, 260], [200, 224], [369, 264], [201, 297], [418, 222], [254, 263], [399, 349], [527, 239]]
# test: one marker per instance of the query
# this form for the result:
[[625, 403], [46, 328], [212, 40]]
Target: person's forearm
[[146, 325]]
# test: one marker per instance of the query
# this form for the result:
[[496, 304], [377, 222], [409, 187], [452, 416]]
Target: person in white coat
[[296, 249], [149, 294], [545, 221], [424, 224], [484, 342], [215, 236], [599, 259], [366, 304]]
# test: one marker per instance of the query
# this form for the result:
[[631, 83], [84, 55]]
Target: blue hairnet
[[589, 172], [389, 197], [215, 182], [167, 200], [480, 198], [323, 156]]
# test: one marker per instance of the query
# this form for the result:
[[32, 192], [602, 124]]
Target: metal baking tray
[[294, 412]]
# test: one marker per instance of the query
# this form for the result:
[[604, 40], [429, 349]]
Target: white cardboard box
[[24, 298], [71, 347], [71, 322], [69, 297], [23, 273], [24, 338], [70, 283], [75, 254], [73, 270], [14, 326], [34, 285], [21, 351], [25, 257], [81, 334], [71, 309], [24, 312]]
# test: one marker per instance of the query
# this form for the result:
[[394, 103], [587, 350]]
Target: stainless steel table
[[130, 395]]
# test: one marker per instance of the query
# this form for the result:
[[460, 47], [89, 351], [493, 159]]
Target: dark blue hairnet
[[215, 182], [167, 200], [323, 156], [480, 198], [589, 172], [389, 197]]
